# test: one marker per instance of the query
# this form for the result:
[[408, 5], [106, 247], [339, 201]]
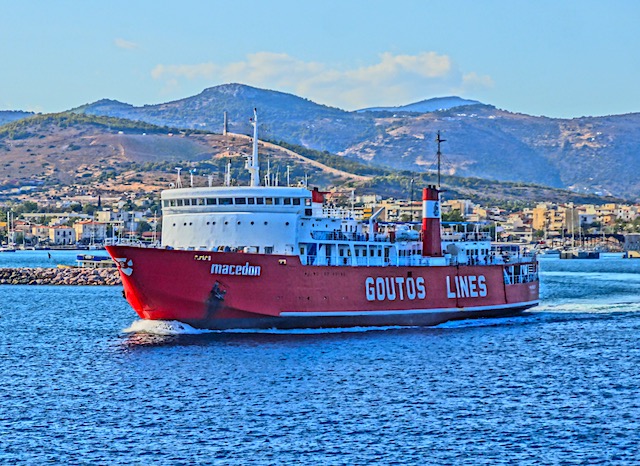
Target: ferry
[[256, 257]]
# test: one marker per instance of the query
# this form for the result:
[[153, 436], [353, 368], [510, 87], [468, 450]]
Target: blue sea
[[83, 381]]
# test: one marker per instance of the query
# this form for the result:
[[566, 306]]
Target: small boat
[[91, 261], [579, 254]]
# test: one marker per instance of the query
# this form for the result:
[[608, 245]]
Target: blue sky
[[554, 58]]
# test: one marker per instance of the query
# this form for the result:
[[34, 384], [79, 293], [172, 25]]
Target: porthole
[[174, 224], [252, 223], [226, 223], [239, 223], [287, 224], [184, 224], [208, 223], [266, 223]]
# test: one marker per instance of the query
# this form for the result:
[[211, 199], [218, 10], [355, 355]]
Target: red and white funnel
[[431, 239]]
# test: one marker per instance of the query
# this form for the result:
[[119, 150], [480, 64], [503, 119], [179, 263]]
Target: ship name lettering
[[227, 269], [395, 288], [467, 286]]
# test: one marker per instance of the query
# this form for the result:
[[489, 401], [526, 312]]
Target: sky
[[554, 58]]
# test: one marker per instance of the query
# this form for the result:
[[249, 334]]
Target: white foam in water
[[316, 331], [173, 327], [162, 327], [488, 322]]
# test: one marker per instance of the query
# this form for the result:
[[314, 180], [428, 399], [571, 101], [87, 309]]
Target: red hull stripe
[[409, 311]]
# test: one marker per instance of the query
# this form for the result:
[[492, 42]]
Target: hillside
[[282, 116], [87, 153], [586, 155], [47, 156]]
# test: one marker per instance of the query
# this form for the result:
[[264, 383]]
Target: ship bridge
[[256, 219]]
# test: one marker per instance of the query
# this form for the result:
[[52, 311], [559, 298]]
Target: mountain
[[426, 106], [589, 155], [282, 116], [58, 155], [597, 155]]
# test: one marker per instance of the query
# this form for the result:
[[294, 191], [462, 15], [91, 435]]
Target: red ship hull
[[218, 290]]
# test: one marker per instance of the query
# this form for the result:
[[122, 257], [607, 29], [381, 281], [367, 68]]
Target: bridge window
[[287, 201], [200, 201], [241, 200], [211, 201], [277, 200], [251, 200], [259, 200], [226, 201], [179, 202], [268, 201], [296, 201]]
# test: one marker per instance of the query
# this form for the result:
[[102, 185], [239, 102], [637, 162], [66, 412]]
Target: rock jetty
[[59, 276]]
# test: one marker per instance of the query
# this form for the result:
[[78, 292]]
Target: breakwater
[[58, 276]]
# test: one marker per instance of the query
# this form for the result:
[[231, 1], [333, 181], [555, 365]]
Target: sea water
[[83, 381]]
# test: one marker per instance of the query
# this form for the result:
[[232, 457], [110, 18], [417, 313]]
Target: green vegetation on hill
[[28, 127]]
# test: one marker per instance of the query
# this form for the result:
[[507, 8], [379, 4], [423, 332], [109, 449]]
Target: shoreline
[[59, 276]]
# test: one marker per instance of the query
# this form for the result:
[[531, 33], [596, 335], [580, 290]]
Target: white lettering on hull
[[246, 269], [468, 286], [395, 288]]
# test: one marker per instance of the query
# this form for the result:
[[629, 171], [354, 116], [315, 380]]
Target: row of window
[[235, 201], [226, 223], [347, 251]]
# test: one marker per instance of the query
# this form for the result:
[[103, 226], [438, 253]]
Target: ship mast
[[439, 140], [252, 163]]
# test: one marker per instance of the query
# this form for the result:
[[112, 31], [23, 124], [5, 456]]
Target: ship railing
[[338, 235], [519, 273], [130, 242], [336, 212], [345, 261]]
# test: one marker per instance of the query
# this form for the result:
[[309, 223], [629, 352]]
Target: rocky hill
[[47, 155], [594, 155]]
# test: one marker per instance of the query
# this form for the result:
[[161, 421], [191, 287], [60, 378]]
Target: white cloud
[[125, 44], [393, 80]]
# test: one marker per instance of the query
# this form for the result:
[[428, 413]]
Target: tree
[[453, 216], [90, 209], [142, 227]]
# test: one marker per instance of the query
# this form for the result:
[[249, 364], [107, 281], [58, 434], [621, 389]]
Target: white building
[[62, 235]]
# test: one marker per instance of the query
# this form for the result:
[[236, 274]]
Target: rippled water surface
[[559, 385]]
